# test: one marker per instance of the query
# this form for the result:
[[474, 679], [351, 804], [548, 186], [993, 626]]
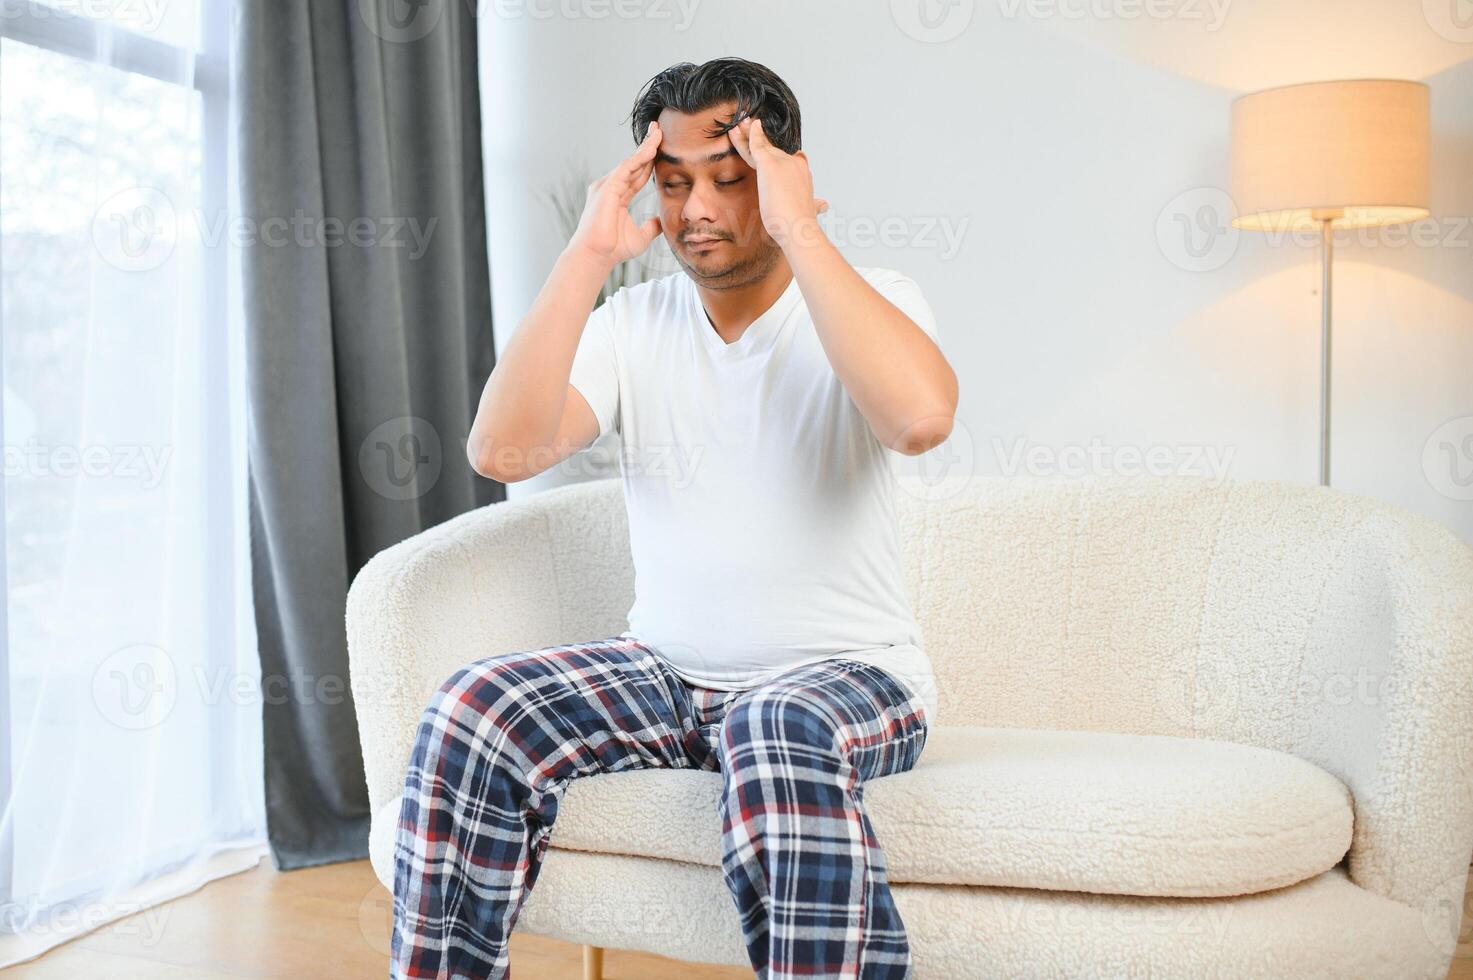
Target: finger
[[632, 184], [645, 152], [758, 135], [649, 230], [738, 134]]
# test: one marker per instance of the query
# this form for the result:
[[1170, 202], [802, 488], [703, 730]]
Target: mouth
[[702, 243]]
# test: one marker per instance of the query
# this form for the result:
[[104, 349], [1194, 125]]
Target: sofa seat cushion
[[1100, 812]]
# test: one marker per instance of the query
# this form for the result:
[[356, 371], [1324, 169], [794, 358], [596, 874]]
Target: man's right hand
[[606, 230]]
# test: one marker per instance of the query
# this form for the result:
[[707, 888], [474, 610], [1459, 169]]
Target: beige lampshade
[[1352, 151]]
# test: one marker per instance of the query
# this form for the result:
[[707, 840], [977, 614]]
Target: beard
[[740, 271]]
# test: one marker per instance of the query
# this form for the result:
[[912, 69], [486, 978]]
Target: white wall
[[1067, 152]]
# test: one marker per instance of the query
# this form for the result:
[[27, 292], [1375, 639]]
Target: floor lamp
[[1322, 156]]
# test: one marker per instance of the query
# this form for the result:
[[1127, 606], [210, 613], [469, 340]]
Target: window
[[130, 736]]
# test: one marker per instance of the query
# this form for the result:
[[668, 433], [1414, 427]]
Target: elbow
[[932, 426], [924, 435], [492, 462]]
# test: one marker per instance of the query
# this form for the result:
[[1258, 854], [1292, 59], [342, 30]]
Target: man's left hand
[[784, 185]]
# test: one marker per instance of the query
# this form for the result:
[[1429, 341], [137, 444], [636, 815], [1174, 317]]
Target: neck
[[732, 310]]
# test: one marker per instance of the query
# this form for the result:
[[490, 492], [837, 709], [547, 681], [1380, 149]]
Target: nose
[[699, 208]]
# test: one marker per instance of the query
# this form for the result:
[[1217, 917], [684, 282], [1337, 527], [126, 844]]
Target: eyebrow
[[662, 157]]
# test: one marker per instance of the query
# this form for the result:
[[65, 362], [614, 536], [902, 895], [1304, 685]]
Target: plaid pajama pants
[[503, 736]]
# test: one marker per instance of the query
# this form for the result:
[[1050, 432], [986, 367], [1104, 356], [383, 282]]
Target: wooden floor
[[330, 922]]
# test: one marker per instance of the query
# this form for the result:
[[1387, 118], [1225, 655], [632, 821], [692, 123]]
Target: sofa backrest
[[1152, 605]]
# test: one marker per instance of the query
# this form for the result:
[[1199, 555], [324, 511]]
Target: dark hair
[[756, 90]]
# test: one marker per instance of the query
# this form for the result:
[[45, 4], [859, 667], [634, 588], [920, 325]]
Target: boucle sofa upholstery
[[1186, 728]]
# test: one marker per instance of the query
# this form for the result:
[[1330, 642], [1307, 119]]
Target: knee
[[758, 727], [477, 688]]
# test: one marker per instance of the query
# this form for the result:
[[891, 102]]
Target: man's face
[[708, 202]]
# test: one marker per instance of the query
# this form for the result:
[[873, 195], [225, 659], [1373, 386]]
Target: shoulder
[[641, 307], [649, 299], [903, 291]]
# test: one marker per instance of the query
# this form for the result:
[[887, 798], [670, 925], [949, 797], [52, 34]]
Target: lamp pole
[[1327, 247]]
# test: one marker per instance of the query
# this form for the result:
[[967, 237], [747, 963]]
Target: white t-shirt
[[761, 505]]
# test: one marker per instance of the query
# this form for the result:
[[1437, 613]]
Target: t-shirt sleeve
[[905, 293], [595, 370]]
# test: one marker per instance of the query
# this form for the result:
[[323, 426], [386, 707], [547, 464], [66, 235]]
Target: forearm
[[522, 402], [896, 375]]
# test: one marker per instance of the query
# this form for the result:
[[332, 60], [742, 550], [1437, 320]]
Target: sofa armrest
[[1386, 701], [479, 584]]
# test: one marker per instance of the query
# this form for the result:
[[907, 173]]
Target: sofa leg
[[593, 963]]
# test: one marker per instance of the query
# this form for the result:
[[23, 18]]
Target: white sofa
[[1187, 729]]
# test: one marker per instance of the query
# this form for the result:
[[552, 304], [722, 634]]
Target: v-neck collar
[[759, 333]]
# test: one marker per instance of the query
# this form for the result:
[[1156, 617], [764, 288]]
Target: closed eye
[[676, 184]]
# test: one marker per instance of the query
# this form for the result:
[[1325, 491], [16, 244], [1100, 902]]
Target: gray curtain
[[368, 316]]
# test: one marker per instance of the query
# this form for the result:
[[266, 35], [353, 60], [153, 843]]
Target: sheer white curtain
[[130, 704]]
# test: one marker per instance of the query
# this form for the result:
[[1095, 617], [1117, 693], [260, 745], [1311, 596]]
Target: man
[[771, 638]]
